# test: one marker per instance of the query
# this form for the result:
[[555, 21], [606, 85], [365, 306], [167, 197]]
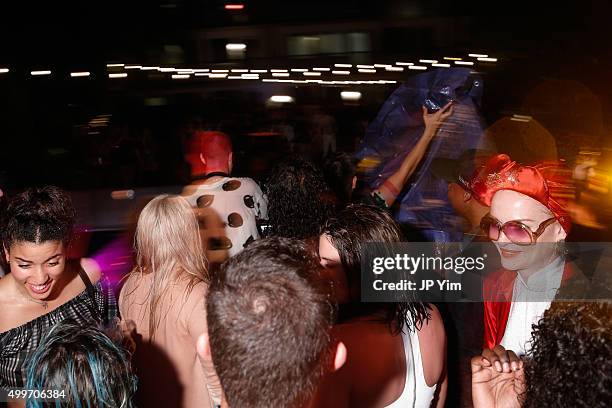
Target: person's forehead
[[36, 252], [326, 247], [511, 205]]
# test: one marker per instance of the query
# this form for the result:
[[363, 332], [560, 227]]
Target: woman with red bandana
[[528, 223]]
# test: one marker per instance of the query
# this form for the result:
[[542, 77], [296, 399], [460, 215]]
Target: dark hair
[[84, 363], [299, 200], [348, 232], [339, 170], [269, 324], [39, 214], [570, 362]]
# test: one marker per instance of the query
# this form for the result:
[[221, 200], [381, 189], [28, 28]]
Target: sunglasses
[[517, 232]]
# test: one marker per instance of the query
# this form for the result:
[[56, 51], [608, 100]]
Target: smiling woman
[[43, 287], [528, 223]]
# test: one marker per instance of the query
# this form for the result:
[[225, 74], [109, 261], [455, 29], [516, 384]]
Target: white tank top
[[416, 393]]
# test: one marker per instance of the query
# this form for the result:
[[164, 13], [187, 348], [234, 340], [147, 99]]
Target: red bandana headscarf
[[548, 183]]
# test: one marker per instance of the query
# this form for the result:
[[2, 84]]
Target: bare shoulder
[[193, 314], [434, 327], [348, 331], [127, 286], [126, 295], [198, 293], [432, 343], [358, 335], [92, 269]]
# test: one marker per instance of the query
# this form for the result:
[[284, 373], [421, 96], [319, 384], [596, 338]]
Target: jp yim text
[[427, 284]]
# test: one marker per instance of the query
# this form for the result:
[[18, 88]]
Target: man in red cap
[[229, 207], [528, 223]]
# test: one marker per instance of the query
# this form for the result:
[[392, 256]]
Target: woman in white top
[[396, 351]]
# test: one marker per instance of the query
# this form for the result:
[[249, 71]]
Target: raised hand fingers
[[504, 358], [490, 359], [447, 108], [515, 361], [501, 359], [445, 112], [435, 119], [478, 363]]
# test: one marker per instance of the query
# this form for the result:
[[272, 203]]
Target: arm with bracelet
[[392, 186]]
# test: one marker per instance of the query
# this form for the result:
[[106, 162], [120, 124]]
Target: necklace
[[43, 303]]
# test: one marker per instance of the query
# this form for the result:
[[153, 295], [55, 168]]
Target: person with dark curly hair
[[396, 351], [43, 287], [78, 361], [299, 200], [569, 364]]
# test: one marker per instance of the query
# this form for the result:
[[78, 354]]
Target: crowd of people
[[242, 296]]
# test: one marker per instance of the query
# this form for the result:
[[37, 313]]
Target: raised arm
[[392, 186]]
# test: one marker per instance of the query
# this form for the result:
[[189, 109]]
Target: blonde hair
[[168, 246]]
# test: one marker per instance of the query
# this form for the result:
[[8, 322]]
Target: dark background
[[43, 119]]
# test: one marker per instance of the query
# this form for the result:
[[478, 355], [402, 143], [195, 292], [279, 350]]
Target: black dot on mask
[[231, 185], [205, 200], [234, 220], [248, 201]]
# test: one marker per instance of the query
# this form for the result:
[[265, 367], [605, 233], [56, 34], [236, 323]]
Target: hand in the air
[[498, 379], [434, 120]]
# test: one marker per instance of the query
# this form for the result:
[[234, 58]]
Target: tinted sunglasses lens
[[491, 228], [517, 233]]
